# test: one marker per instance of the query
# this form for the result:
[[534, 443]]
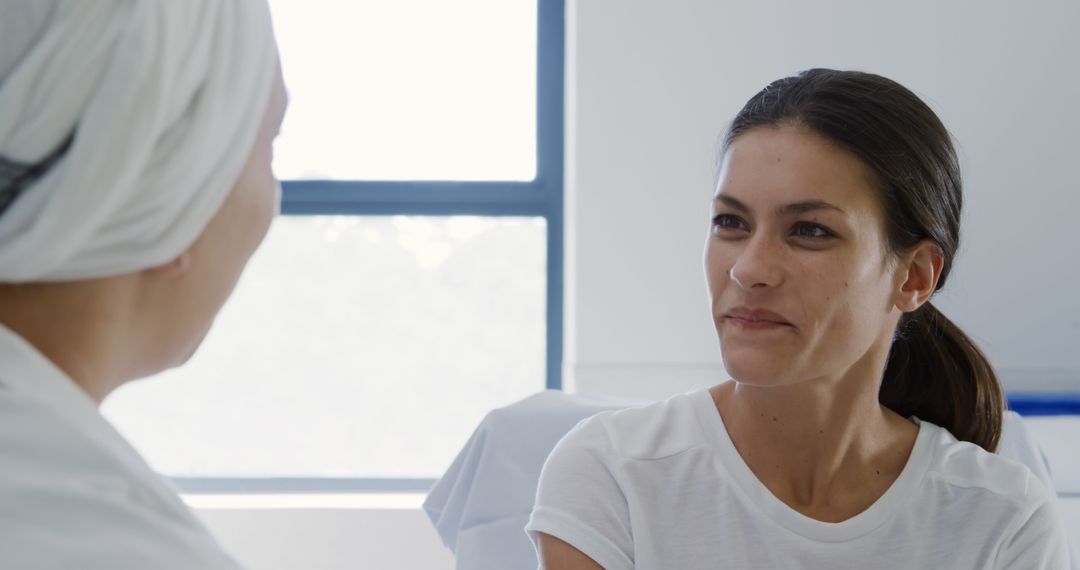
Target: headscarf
[[124, 124]]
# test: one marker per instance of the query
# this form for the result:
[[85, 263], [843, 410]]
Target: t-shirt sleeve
[[1018, 443], [579, 499], [1039, 542]]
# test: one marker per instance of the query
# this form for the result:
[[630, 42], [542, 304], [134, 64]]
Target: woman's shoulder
[[1003, 495], [964, 466], [649, 431], [60, 476]]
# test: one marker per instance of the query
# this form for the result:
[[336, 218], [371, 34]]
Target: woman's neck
[[827, 449], [81, 327]]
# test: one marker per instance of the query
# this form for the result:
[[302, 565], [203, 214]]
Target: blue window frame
[[540, 197]]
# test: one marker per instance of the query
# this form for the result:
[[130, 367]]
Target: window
[[414, 281]]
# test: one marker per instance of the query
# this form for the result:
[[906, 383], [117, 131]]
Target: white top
[[662, 486], [73, 493]]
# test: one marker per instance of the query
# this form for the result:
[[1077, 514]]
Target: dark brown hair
[[934, 371]]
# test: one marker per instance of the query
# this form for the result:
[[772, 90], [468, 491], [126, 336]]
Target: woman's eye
[[812, 231], [727, 222]]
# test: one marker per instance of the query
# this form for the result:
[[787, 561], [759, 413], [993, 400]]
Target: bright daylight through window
[[364, 346]]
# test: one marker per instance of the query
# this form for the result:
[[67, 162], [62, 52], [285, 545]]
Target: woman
[[859, 426], [135, 182]]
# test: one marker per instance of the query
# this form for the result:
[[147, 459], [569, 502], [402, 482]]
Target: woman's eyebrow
[[794, 208]]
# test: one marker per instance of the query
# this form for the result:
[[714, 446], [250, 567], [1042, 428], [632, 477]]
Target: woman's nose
[[758, 265]]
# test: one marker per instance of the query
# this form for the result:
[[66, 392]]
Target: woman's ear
[[177, 267], [918, 272]]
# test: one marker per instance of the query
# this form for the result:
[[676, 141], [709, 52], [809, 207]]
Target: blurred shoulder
[[649, 431], [964, 466]]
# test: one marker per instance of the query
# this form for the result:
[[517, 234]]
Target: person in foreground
[[135, 182], [859, 428]]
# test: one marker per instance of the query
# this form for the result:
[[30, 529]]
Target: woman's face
[[800, 283]]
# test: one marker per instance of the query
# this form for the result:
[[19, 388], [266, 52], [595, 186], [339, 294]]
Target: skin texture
[[802, 408], [105, 332]]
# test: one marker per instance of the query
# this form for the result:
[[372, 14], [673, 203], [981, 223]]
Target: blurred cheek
[[267, 207], [263, 202]]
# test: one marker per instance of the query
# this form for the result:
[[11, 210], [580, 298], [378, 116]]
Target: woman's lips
[[756, 319], [752, 325]]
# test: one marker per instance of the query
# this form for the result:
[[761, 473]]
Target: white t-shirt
[[663, 487]]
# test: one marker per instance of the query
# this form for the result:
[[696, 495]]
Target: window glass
[[353, 347], [408, 89]]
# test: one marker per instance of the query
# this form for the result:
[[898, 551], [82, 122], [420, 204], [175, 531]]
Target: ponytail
[[935, 372]]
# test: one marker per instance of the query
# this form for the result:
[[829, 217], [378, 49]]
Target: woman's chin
[[184, 354], [755, 369]]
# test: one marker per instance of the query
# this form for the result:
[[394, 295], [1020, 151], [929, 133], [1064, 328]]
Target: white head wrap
[[160, 102]]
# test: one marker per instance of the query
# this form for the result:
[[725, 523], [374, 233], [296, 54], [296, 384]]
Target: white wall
[[651, 85]]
